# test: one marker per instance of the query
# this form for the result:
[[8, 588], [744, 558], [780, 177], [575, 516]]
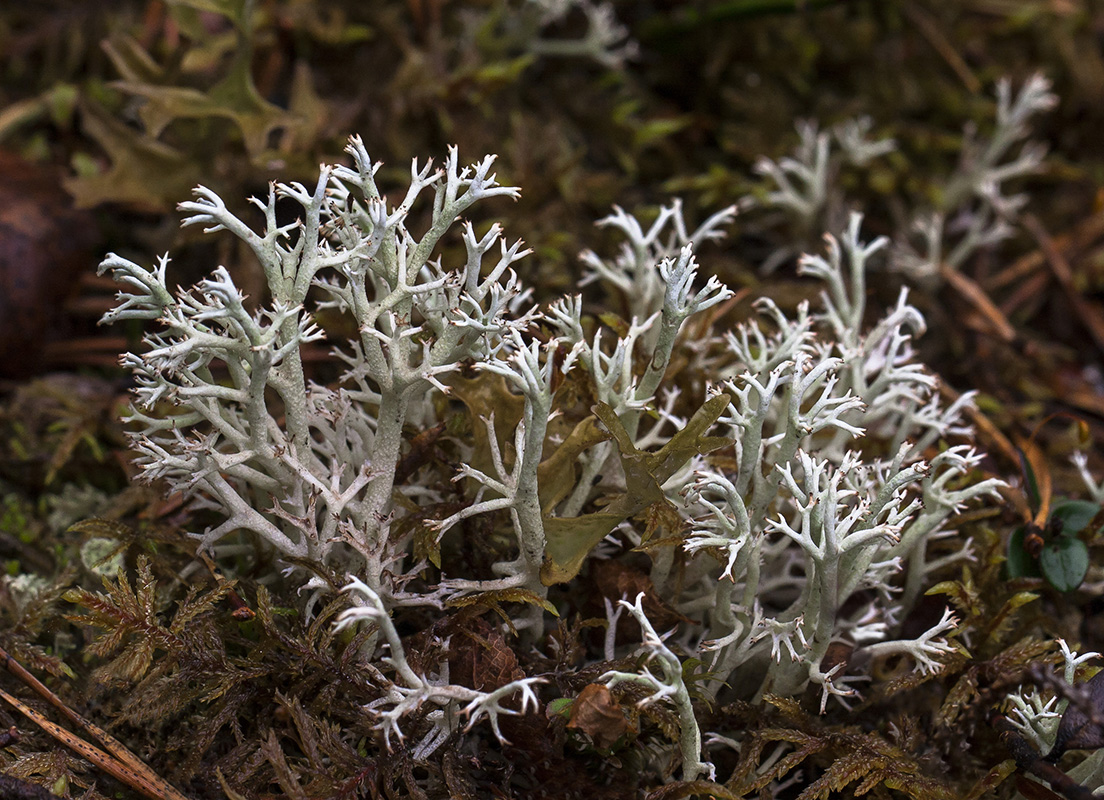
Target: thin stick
[[105, 761], [1090, 314], [929, 28], [976, 296], [141, 777]]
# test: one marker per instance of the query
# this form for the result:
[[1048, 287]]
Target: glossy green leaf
[[1075, 515], [1064, 562], [1019, 563]]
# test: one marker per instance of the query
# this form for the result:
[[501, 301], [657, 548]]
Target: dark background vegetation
[[111, 111]]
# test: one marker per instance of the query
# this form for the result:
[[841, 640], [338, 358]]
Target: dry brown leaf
[[598, 715]]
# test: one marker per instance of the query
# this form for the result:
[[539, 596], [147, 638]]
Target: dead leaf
[[234, 97], [557, 474], [569, 541], [598, 715], [480, 659], [484, 395], [616, 580], [144, 173]]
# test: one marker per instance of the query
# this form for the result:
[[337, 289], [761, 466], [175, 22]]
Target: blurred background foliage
[[133, 103]]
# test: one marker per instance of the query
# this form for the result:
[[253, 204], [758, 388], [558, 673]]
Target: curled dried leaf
[[598, 715]]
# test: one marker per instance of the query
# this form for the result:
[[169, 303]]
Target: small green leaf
[[1020, 564], [1064, 562], [234, 10], [104, 528], [560, 707], [657, 130], [502, 73], [615, 323], [492, 598], [427, 545], [1075, 515], [61, 101]]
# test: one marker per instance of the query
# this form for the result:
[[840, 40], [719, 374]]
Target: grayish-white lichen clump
[[804, 519]]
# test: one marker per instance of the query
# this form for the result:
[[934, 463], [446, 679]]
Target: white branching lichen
[[802, 520]]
